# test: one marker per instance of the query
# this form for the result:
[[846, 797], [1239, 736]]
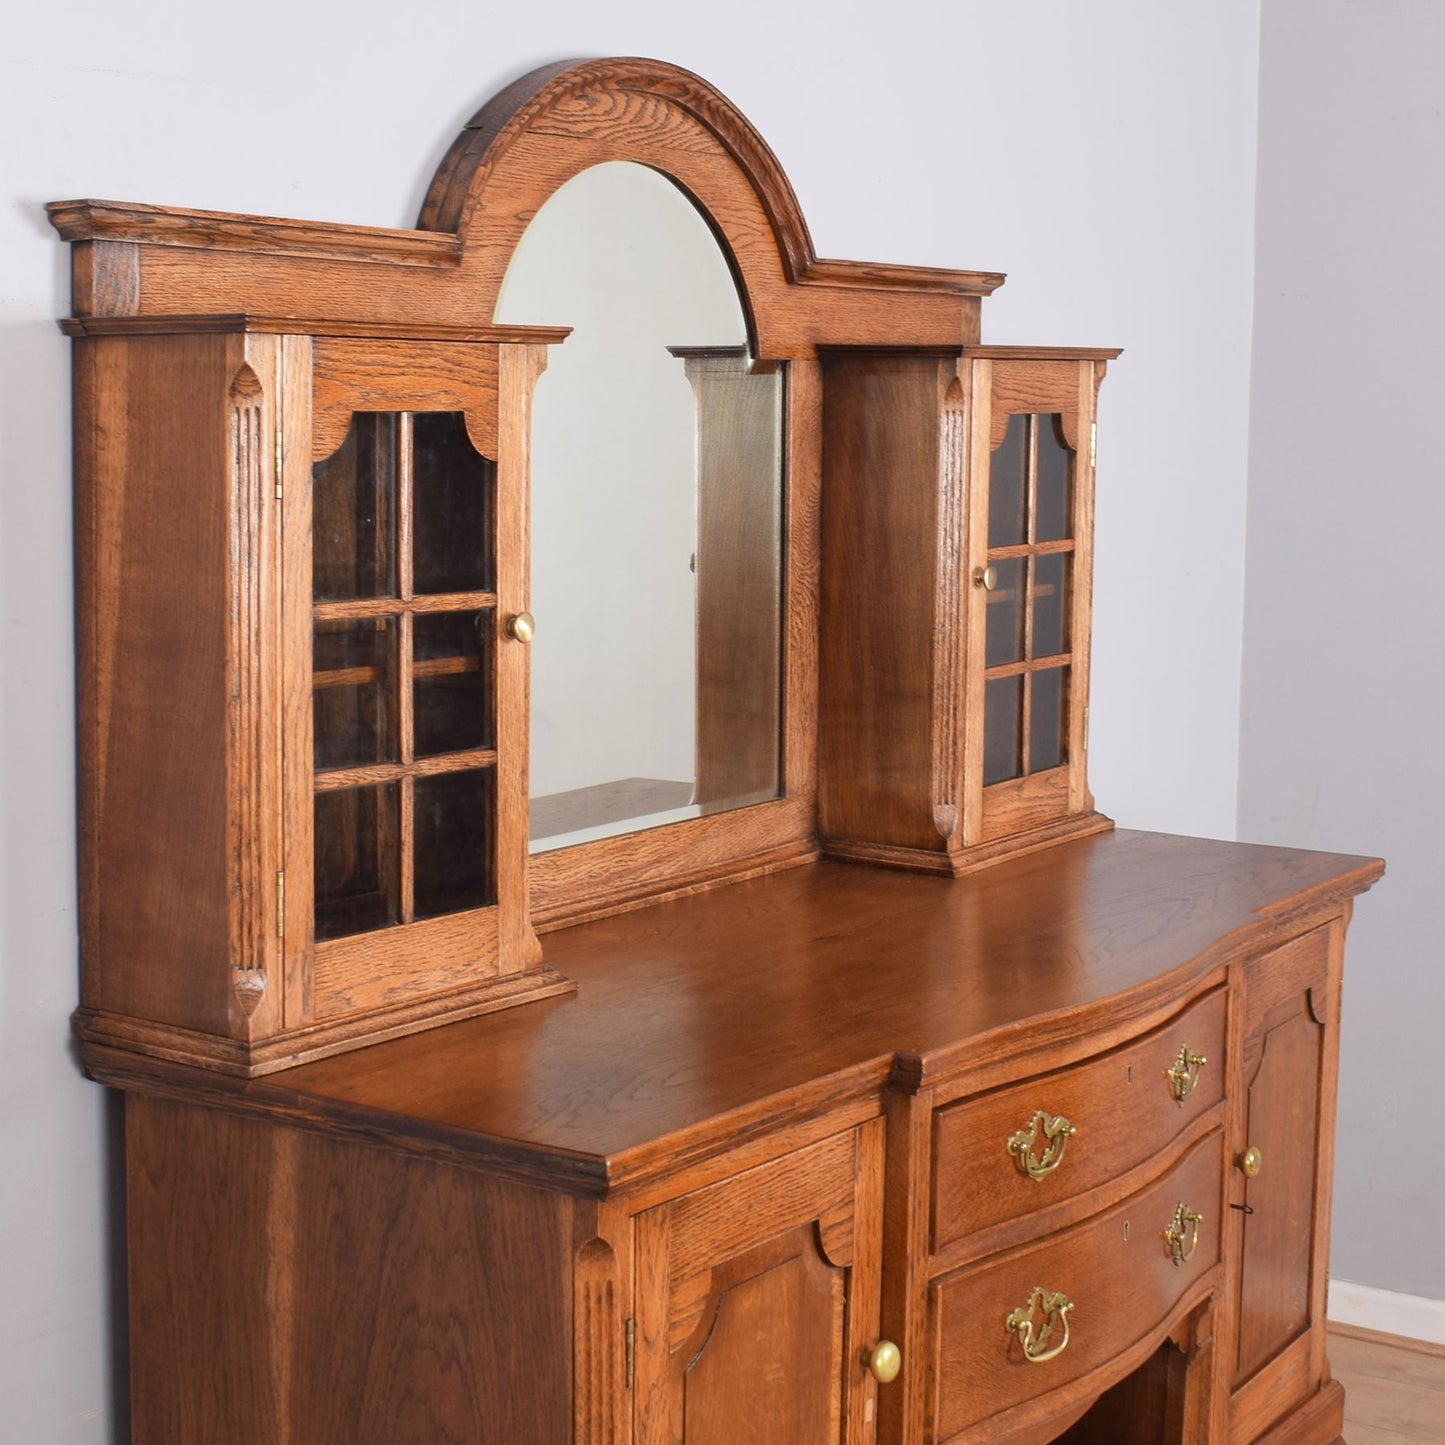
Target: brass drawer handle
[[520, 627], [1056, 1131], [1184, 1226], [1184, 1072], [1055, 1308]]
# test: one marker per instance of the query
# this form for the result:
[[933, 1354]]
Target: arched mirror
[[656, 516]]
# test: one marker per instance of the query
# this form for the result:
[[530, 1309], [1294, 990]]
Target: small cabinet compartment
[[957, 576], [303, 715], [1039, 1331], [758, 1301], [1050, 1143]]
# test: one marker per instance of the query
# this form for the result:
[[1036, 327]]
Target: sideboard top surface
[[702, 1020]]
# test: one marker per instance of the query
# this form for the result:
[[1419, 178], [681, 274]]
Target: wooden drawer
[[1121, 1105], [1123, 1284]]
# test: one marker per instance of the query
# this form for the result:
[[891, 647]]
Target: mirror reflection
[[656, 510]]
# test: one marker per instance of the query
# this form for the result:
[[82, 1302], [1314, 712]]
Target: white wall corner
[[1367, 1308]]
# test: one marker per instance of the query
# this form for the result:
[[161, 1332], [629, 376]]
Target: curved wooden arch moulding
[[535, 135]]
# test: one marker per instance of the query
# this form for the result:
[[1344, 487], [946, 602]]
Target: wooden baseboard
[[1381, 1337]]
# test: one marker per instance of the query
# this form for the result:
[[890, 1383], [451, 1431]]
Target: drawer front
[[1087, 1294], [1123, 1110]]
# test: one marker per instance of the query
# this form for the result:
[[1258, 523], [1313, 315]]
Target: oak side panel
[[881, 420], [154, 633], [290, 1287]]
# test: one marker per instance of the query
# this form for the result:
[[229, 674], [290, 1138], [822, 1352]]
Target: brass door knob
[[1250, 1162], [885, 1361], [521, 626], [985, 577]]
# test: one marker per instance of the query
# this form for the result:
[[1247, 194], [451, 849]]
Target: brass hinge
[[631, 1352], [281, 904], [278, 463], [1086, 729], [1093, 442]]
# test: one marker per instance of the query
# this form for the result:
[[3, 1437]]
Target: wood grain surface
[[725, 1015]]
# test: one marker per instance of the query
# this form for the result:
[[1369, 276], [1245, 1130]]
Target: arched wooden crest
[[549, 126], [539, 133]]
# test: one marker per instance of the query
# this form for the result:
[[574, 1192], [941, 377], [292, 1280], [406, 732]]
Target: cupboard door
[[1029, 570], [1282, 1171], [408, 774], [758, 1303]]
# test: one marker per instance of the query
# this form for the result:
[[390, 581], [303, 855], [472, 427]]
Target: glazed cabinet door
[[406, 730], [1280, 1183], [758, 1303], [1029, 575]]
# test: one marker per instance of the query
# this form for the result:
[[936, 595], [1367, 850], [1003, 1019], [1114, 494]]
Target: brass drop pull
[[1055, 1308], [884, 1362], [521, 627], [1184, 1226], [1023, 1145], [1250, 1162], [985, 577], [1184, 1072]]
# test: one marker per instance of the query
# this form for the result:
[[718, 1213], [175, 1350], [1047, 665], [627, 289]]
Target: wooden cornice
[[161, 324], [90, 220]]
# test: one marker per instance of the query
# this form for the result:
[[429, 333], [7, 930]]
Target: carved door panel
[[1291, 1011], [758, 1303]]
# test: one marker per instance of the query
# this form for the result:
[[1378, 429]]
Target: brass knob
[[885, 1361], [985, 577], [521, 626], [1250, 1162]]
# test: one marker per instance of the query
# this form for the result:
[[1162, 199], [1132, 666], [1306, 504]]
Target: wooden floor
[[1394, 1389]]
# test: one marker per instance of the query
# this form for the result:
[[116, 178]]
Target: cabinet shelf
[[361, 609], [334, 779]]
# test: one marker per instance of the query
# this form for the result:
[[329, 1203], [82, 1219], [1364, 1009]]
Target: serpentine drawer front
[[1058, 1136], [1033, 1321]]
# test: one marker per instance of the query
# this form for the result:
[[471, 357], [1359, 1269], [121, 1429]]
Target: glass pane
[[1046, 719], [1002, 706], [1008, 485], [1004, 626], [451, 668], [1051, 509], [353, 664], [1051, 603], [452, 487], [353, 521], [357, 874], [455, 815]]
